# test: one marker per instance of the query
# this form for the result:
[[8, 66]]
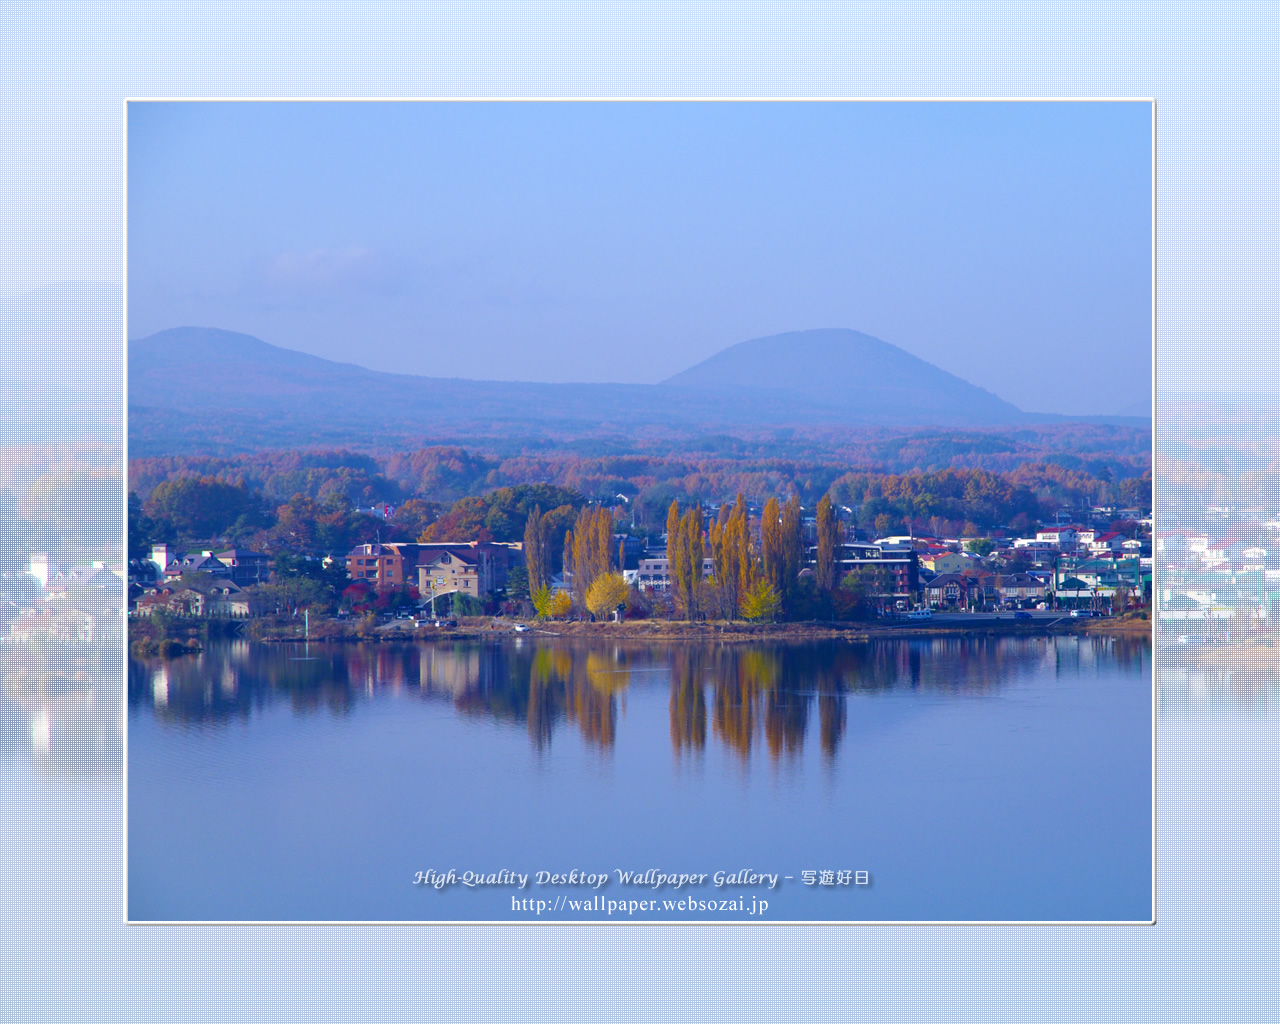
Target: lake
[[950, 779]]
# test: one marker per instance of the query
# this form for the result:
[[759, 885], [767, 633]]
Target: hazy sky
[[1009, 243]]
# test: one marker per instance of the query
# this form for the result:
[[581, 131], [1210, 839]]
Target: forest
[[299, 506], [324, 501]]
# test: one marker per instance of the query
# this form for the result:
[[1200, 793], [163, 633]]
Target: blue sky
[[1009, 243]]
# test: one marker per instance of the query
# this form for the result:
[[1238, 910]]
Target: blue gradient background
[[64, 954]]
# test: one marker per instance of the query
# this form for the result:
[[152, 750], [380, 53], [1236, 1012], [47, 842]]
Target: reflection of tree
[[831, 721], [548, 672], [741, 676], [540, 712], [596, 715], [58, 700], [562, 684], [785, 714], [735, 713], [606, 674], [688, 704], [753, 690], [232, 680]]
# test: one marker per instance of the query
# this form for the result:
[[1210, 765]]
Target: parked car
[[1022, 615], [1081, 613]]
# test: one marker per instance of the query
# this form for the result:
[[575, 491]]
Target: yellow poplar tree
[[772, 557], [792, 545], [730, 539], [592, 538], [691, 555]]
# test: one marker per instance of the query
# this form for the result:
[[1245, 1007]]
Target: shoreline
[[728, 632]]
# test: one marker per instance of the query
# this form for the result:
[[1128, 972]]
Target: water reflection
[[749, 697], [60, 707], [1198, 679]]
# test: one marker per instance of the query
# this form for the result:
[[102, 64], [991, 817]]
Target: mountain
[[199, 387], [855, 376], [60, 365]]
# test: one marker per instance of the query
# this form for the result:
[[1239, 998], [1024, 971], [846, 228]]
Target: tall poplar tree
[[792, 545], [720, 562], [731, 556], [684, 557], [772, 559], [535, 550], [692, 527], [828, 541], [592, 538], [748, 569]]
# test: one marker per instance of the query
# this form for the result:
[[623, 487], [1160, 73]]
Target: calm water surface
[[972, 778]]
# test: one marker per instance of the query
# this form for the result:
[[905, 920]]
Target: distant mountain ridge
[[248, 393], [836, 367]]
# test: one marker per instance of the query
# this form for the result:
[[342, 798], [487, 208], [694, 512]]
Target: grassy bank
[[664, 630], [167, 636]]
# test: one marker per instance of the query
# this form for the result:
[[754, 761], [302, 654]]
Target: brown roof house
[[200, 597]]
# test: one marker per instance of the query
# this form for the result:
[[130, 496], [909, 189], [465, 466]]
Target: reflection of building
[[455, 669], [160, 685]]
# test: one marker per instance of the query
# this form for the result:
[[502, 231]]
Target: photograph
[[615, 514], [638, 512]]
